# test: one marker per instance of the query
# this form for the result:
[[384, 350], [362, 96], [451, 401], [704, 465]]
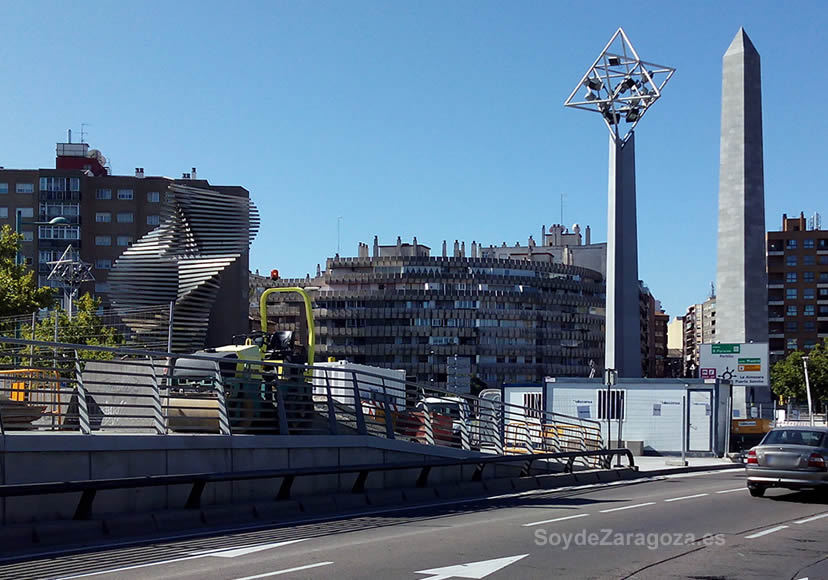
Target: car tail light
[[816, 460], [751, 457]]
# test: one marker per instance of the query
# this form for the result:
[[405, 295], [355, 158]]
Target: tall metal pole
[[808, 392], [170, 327]]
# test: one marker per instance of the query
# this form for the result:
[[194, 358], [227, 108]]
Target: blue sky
[[441, 120]]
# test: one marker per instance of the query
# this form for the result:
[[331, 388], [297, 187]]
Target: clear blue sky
[[441, 120]]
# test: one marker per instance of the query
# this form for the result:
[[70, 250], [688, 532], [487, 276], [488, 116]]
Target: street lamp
[[19, 223], [808, 391], [621, 88]]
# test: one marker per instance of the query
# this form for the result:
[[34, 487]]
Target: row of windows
[[807, 293], [807, 260], [807, 326], [791, 277], [807, 243], [126, 195], [793, 344], [107, 240], [124, 217], [807, 310], [18, 187]]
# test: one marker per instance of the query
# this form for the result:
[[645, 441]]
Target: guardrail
[[89, 488], [87, 389]]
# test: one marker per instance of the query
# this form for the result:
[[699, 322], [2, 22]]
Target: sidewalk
[[661, 463]]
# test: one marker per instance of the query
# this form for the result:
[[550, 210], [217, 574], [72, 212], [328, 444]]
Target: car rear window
[[794, 437]]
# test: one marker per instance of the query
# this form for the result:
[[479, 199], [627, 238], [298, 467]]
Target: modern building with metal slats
[[196, 259]]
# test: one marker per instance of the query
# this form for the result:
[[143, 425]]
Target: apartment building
[[106, 215], [699, 327], [504, 320], [797, 285]]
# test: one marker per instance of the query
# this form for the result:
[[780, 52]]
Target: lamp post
[[19, 223], [621, 88], [808, 391]]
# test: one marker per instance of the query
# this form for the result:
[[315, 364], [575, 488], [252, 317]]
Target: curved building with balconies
[[452, 321]]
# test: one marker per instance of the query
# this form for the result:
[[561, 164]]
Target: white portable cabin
[[339, 376], [648, 410]]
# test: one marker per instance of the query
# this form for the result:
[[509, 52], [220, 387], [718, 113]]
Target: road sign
[[475, 570], [744, 364]]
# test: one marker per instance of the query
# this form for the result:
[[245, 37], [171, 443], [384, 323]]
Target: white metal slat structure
[[202, 233]]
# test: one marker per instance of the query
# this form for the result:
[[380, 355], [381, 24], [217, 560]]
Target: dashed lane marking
[[627, 507], [555, 520], [765, 532]]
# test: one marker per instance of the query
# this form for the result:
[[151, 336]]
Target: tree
[[19, 293], [788, 375], [85, 327]]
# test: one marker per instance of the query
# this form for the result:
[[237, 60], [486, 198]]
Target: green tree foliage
[[19, 293], [85, 327], [788, 375]]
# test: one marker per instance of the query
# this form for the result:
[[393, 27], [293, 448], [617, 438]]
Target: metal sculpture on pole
[[621, 88]]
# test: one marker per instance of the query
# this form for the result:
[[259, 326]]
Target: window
[[823, 293], [790, 293], [101, 287], [28, 235], [534, 404], [24, 188], [791, 244], [74, 184], [823, 310], [103, 217], [125, 217], [124, 240], [791, 326], [790, 344], [4, 187], [616, 404], [125, 194], [153, 220], [103, 194], [153, 197], [808, 260], [25, 212], [4, 213], [59, 232], [823, 260], [808, 310], [790, 277], [53, 209], [791, 310], [103, 240], [823, 276], [808, 293], [808, 243], [807, 276], [790, 260], [809, 326], [810, 344], [103, 263]]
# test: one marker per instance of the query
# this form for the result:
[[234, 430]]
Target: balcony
[[776, 302], [775, 286], [776, 335], [776, 319]]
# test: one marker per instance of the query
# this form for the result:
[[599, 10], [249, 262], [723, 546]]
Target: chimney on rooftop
[[193, 173], [139, 172]]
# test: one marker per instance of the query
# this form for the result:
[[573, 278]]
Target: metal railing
[[87, 389]]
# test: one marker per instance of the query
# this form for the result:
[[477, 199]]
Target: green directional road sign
[[726, 348]]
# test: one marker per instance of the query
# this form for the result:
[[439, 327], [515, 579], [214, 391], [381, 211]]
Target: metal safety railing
[[87, 389]]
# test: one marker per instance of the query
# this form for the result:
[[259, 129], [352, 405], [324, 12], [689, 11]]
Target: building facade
[[505, 321], [797, 285], [699, 327], [107, 214]]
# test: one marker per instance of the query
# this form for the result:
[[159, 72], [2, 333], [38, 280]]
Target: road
[[681, 526]]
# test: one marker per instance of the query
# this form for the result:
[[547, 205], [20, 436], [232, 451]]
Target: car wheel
[[756, 490]]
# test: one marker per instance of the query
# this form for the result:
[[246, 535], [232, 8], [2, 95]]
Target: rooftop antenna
[[83, 131]]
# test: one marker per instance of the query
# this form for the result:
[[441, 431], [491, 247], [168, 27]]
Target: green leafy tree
[[788, 375], [19, 293], [85, 327]]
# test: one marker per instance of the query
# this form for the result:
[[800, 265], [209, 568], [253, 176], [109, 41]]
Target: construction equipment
[[250, 390]]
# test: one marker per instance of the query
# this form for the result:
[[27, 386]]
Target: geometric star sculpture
[[71, 271], [620, 86]]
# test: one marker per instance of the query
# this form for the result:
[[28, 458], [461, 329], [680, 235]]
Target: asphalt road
[[702, 526]]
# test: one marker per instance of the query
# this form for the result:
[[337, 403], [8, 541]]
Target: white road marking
[[812, 518], [244, 550], [286, 571], [685, 497], [627, 507], [732, 490], [475, 570], [221, 553], [765, 532], [555, 520]]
